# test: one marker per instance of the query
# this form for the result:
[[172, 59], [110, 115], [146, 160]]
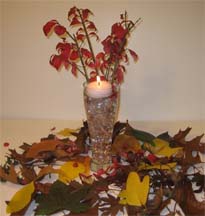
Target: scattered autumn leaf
[[125, 143], [67, 132], [9, 174], [43, 146], [162, 148], [136, 191], [21, 198]]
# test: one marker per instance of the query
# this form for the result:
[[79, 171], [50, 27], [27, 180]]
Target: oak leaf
[[43, 146], [9, 175]]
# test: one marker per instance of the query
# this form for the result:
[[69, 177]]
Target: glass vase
[[101, 116]]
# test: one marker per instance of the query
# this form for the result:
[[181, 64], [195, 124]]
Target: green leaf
[[140, 135], [62, 197], [165, 136]]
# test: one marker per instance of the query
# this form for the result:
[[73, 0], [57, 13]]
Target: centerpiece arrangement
[[101, 97], [149, 174]]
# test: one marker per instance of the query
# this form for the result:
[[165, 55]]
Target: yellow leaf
[[67, 132], [162, 148], [125, 143], [71, 170], [136, 191], [21, 198], [157, 166]]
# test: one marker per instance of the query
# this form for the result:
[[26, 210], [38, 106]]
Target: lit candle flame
[[98, 81]]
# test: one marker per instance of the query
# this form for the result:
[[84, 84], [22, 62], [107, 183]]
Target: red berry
[[6, 144]]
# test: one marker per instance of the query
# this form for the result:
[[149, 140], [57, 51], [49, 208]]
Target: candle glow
[[99, 89]]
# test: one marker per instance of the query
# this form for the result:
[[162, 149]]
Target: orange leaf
[[45, 145], [11, 176]]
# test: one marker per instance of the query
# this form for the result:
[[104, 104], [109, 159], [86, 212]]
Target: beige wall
[[1, 59], [166, 83], [203, 64]]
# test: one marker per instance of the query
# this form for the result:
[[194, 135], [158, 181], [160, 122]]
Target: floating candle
[[99, 89]]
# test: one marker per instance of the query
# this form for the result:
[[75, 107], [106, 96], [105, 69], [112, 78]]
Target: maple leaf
[[62, 197]]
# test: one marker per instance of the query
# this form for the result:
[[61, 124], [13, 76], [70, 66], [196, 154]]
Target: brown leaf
[[43, 188], [118, 127], [25, 146], [17, 156], [125, 143], [81, 137], [184, 196], [43, 146], [46, 170], [61, 154], [28, 173], [180, 136], [10, 176]]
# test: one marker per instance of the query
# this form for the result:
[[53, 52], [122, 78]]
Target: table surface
[[16, 132]]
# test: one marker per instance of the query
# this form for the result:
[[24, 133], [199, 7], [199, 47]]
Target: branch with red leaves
[[76, 53]]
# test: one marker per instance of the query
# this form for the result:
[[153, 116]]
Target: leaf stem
[[81, 59], [88, 39]]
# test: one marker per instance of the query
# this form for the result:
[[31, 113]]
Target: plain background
[[166, 84]]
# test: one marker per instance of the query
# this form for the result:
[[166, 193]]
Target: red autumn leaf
[[91, 26], [74, 55], [59, 30], [120, 75], [86, 53], [100, 55], [47, 28], [80, 37], [86, 13], [74, 69], [90, 63], [72, 12], [134, 55], [75, 21], [119, 31], [94, 35], [56, 61], [66, 64], [64, 48]]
